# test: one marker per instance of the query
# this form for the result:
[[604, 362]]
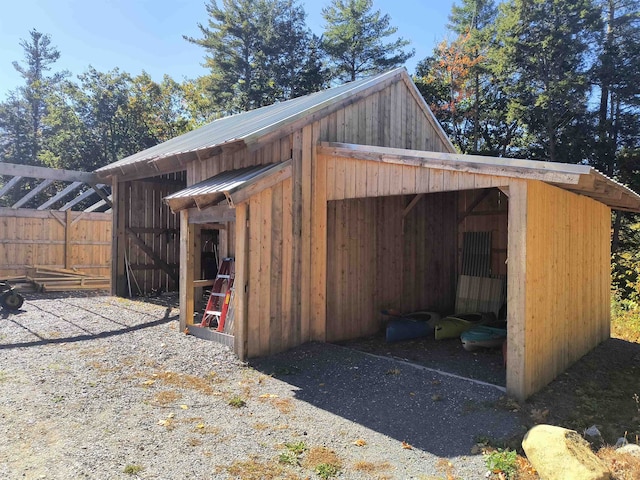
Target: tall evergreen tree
[[474, 19], [543, 61], [354, 39], [617, 76], [258, 52], [21, 114], [39, 57], [458, 83]]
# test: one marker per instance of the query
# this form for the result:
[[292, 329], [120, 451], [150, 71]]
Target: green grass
[[327, 470], [288, 458], [502, 461], [237, 402], [625, 321], [297, 448], [133, 469]]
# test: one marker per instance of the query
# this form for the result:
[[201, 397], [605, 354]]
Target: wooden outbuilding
[[347, 201]]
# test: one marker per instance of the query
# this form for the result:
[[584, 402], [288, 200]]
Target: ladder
[[216, 309]]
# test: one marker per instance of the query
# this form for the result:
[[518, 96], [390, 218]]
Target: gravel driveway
[[104, 388]]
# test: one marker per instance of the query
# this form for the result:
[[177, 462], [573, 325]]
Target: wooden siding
[[559, 281], [146, 225], [388, 118], [489, 215], [351, 178], [377, 258], [270, 325], [71, 240]]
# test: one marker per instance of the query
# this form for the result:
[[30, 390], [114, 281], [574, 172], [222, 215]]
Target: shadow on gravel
[[85, 337], [443, 415]]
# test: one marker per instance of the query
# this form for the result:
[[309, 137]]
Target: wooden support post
[[151, 254], [305, 230], [516, 290], [187, 248], [197, 264], [119, 245], [241, 324], [319, 251], [296, 250], [67, 240]]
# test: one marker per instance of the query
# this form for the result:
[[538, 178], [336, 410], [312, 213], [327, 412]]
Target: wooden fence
[[58, 239]]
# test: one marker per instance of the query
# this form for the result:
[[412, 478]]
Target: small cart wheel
[[11, 300]]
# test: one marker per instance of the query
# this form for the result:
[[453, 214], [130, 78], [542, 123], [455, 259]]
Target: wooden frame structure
[[53, 218], [361, 204]]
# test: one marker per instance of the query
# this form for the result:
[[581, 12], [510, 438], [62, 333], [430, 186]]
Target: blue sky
[[136, 35]]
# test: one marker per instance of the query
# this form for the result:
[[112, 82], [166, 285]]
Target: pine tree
[[617, 76], [543, 60], [258, 52], [21, 128], [473, 20], [354, 40]]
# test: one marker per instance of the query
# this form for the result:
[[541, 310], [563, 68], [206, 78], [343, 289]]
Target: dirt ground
[[92, 387], [484, 364], [598, 390]]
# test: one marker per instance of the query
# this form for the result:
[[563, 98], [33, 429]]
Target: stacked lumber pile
[[48, 279]]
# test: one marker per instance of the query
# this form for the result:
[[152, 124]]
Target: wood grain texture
[[561, 280], [72, 240], [376, 262]]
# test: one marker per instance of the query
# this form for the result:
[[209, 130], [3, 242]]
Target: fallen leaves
[[539, 416], [407, 446], [360, 442]]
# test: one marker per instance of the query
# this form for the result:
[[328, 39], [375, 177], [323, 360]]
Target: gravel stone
[[99, 387]]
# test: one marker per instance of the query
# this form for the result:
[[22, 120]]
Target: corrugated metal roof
[[255, 122], [223, 182]]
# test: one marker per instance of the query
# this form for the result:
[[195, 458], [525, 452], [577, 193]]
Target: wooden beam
[[152, 255], [308, 148], [9, 185], [241, 323], [118, 237], [516, 291], [296, 242], [67, 239], [102, 194], [259, 183], [83, 196], [414, 201], [501, 167], [28, 213], [98, 205], [318, 301], [207, 199], [60, 195], [178, 204], [32, 193], [213, 214], [479, 198], [187, 271], [46, 173]]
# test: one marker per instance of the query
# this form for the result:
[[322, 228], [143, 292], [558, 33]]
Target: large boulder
[[560, 454]]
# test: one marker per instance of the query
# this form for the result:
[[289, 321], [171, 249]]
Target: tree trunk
[[615, 235]]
